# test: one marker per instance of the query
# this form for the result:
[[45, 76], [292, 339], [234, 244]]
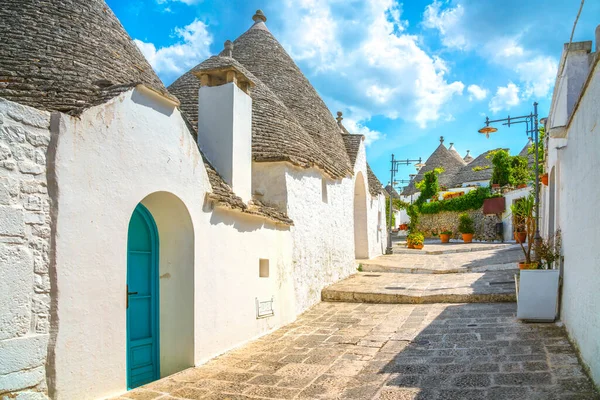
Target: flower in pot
[[548, 251], [522, 211], [544, 179], [417, 240], [445, 235], [466, 227]]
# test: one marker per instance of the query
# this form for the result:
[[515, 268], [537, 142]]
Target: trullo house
[[144, 230]]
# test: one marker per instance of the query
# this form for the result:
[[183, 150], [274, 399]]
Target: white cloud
[[174, 60], [505, 98], [476, 92], [448, 23], [535, 72], [357, 128], [368, 59]]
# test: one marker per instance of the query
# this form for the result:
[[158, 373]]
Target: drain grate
[[472, 325], [503, 283], [395, 288], [371, 276]]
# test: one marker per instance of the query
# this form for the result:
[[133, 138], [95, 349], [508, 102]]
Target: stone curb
[[330, 295], [462, 270]]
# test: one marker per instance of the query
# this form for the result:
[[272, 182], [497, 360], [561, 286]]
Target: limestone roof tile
[[62, 55]]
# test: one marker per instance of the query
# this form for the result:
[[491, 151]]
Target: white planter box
[[537, 297]]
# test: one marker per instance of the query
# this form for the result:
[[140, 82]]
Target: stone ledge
[[22, 353]]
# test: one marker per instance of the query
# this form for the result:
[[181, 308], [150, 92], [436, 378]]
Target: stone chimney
[[225, 123], [573, 72]]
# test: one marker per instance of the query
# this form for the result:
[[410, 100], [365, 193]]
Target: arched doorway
[[171, 343], [143, 352], [361, 242]]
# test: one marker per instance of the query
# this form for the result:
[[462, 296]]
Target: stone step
[[438, 249], [397, 288], [375, 267]]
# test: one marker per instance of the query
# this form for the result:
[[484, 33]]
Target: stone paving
[[482, 287], [434, 247], [499, 258], [391, 351]]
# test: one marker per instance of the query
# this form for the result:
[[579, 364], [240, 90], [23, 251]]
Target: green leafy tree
[[541, 152], [520, 172], [502, 163], [429, 186]]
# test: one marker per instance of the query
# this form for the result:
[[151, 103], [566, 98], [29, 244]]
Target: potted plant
[[537, 289], [417, 240], [544, 179], [522, 211], [466, 227], [445, 235]]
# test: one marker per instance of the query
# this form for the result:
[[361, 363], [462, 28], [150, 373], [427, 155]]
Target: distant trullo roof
[[290, 120], [66, 55], [468, 158], [440, 158]]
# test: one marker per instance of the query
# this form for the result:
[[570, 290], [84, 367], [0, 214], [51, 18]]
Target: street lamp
[[395, 163], [530, 121]]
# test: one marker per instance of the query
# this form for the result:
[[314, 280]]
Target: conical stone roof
[[468, 158], [66, 55], [259, 51], [440, 158]]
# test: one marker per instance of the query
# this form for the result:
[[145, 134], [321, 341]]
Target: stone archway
[[176, 281], [361, 241]]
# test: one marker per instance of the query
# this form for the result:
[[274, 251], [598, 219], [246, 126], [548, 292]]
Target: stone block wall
[[485, 225], [24, 251]]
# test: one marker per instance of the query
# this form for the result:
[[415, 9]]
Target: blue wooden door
[[142, 299]]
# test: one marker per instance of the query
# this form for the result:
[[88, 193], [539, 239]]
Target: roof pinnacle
[[441, 140], [259, 17], [339, 117], [228, 49]]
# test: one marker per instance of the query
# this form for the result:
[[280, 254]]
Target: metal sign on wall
[[264, 309]]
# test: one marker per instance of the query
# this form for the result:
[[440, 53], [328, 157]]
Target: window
[[324, 190], [263, 268]]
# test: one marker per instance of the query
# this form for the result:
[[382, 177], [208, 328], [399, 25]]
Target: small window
[[324, 190], [263, 268]]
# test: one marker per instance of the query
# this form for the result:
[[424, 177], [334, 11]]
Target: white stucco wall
[[507, 217], [323, 232], [576, 168], [24, 250], [107, 161]]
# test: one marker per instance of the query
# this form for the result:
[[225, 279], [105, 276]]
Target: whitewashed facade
[[69, 183], [569, 200]]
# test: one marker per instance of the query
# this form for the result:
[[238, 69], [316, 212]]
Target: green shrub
[[413, 213], [520, 171], [470, 201], [429, 186], [465, 224]]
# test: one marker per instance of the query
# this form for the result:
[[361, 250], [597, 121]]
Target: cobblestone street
[[391, 351]]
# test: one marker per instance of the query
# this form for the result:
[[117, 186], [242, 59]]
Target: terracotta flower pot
[[521, 237], [495, 186], [445, 237], [521, 186], [409, 244], [418, 246], [467, 237], [523, 265], [544, 179]]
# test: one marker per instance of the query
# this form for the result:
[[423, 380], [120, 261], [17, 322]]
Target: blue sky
[[403, 74]]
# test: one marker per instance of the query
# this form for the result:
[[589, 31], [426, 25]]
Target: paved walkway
[[392, 351], [413, 261], [482, 287]]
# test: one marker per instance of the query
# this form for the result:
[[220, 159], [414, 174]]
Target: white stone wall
[[109, 160], [322, 235], [24, 250], [507, 217], [323, 232], [578, 218]]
